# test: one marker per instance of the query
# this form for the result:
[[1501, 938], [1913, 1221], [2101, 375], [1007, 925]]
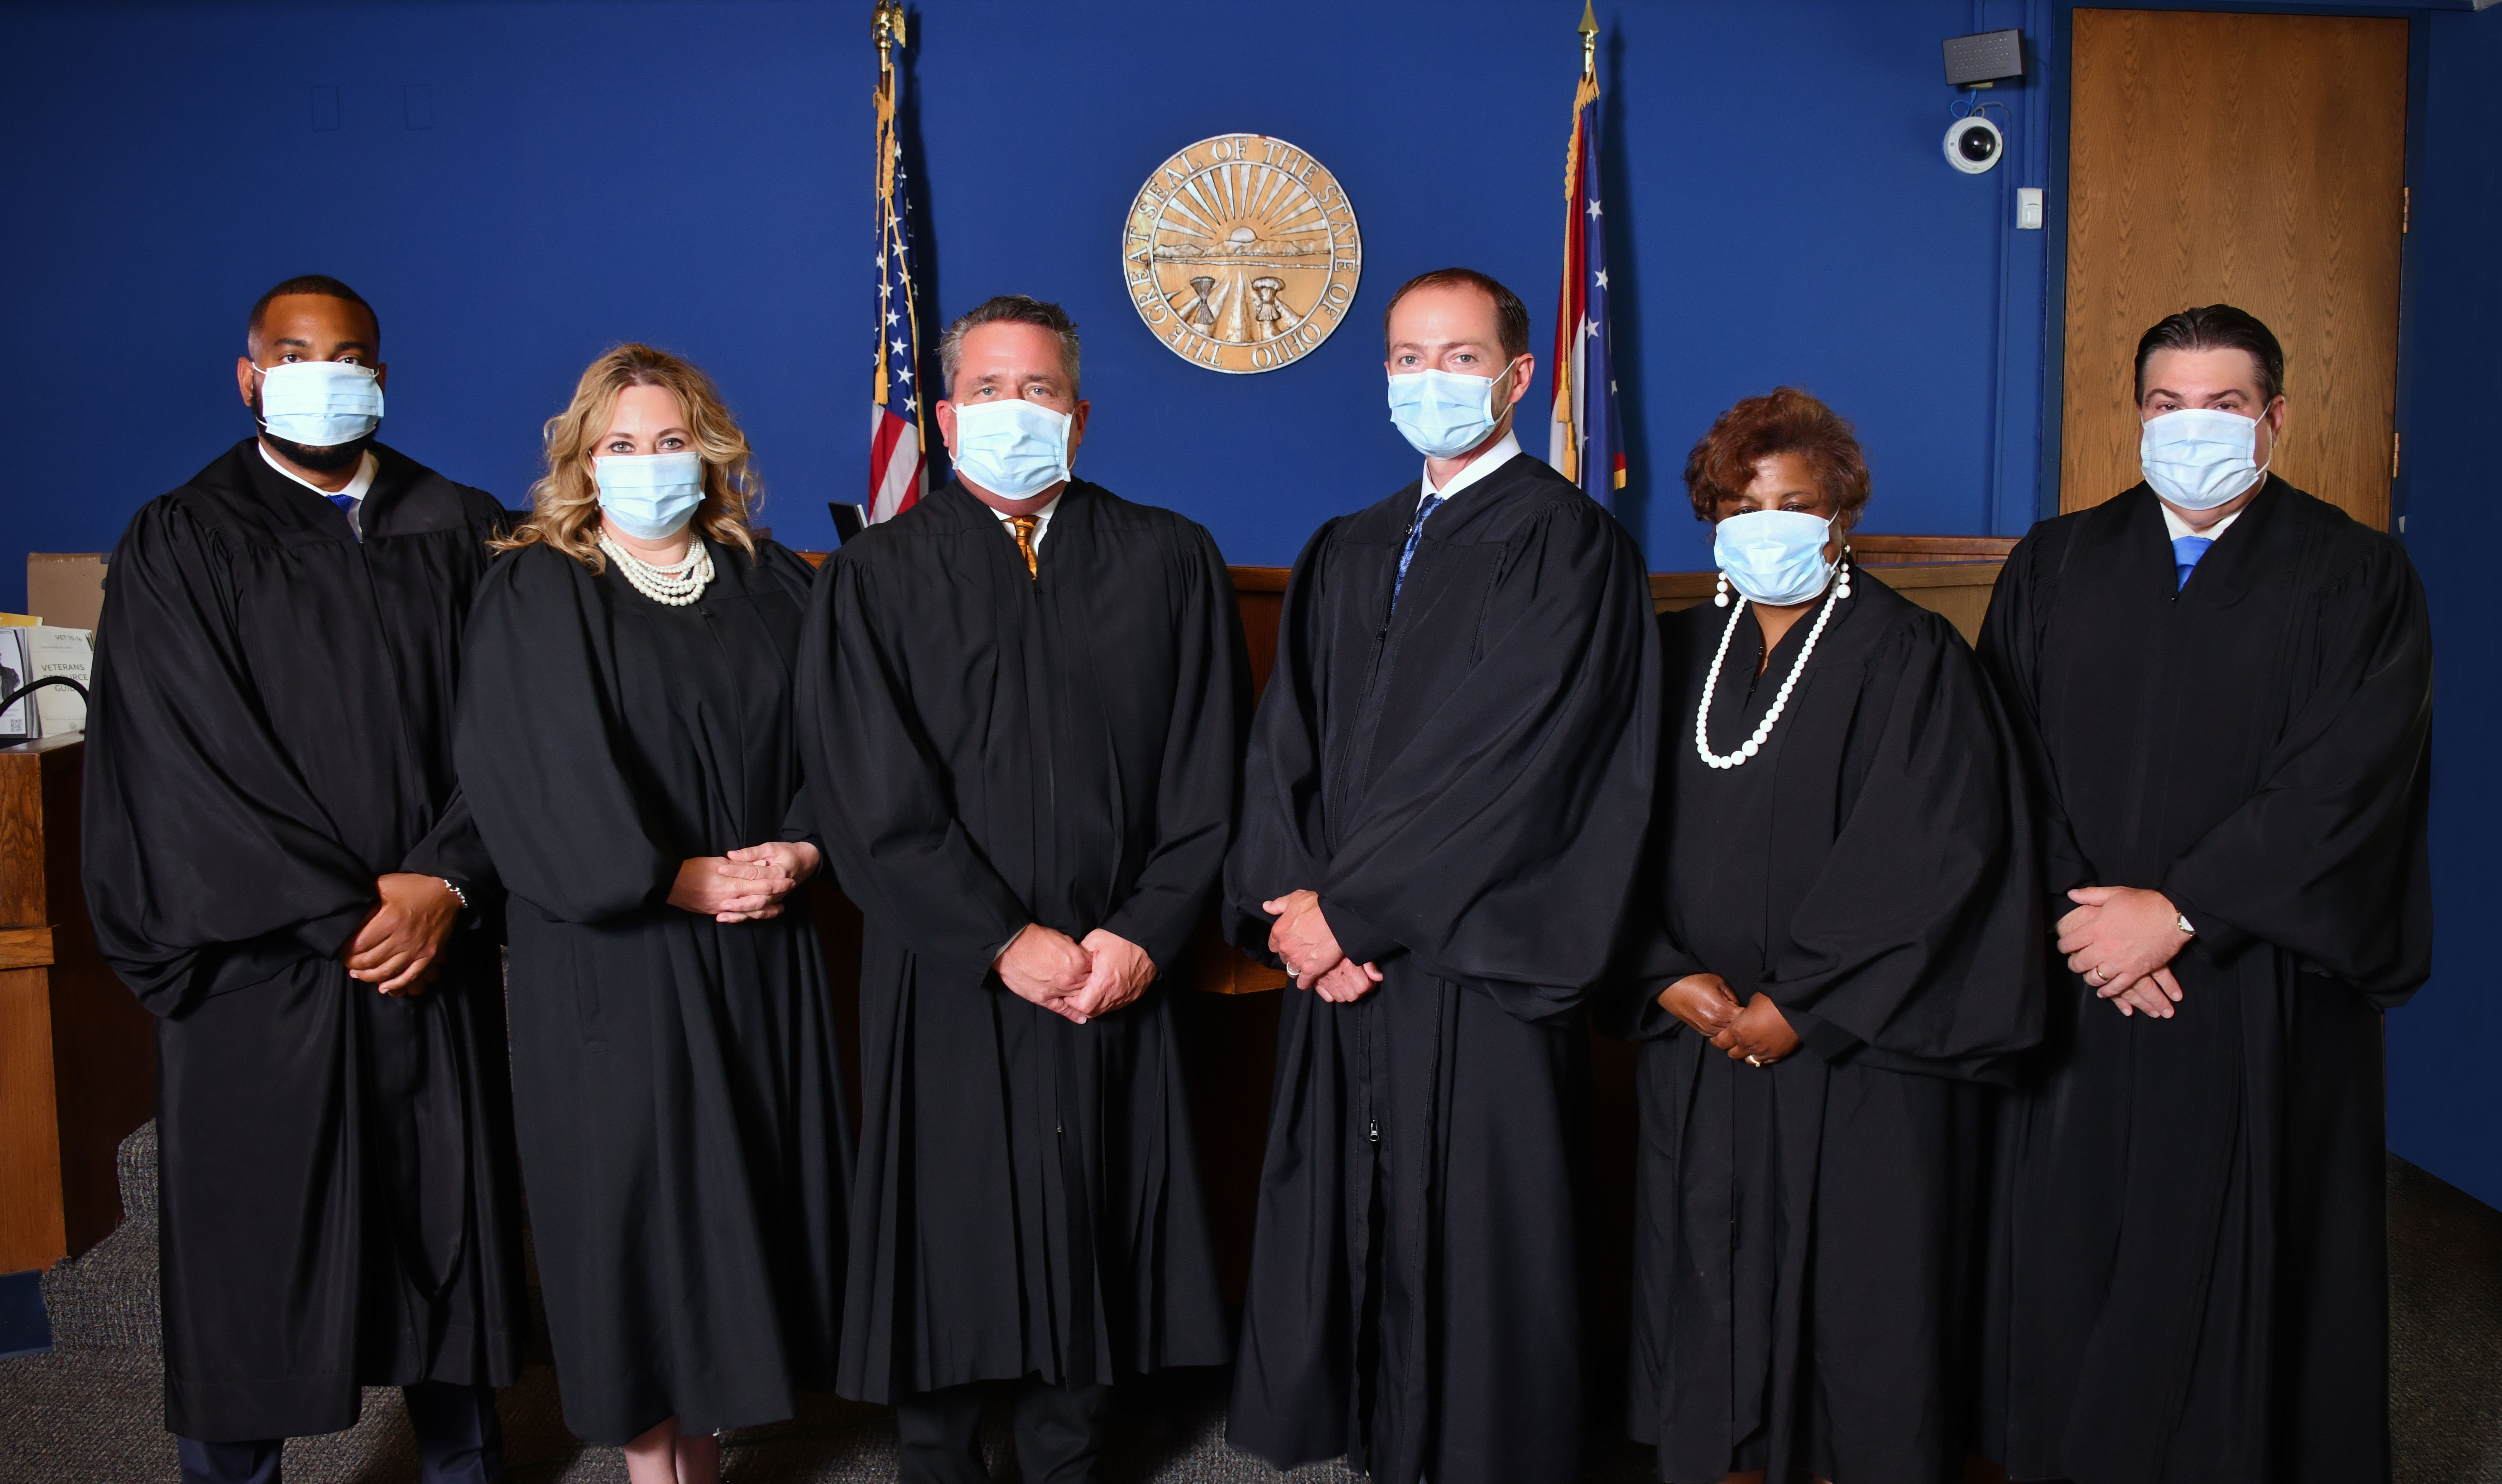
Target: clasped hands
[[1756, 1032], [2122, 940], [1302, 939], [1076, 981], [746, 885], [397, 948]]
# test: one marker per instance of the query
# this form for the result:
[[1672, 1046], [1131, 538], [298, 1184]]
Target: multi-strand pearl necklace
[[674, 588], [1780, 701]]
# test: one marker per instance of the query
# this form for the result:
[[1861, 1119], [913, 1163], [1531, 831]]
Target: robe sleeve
[[887, 812], [2011, 654], [1499, 850], [541, 750], [209, 865], [1277, 849], [1197, 788], [2329, 859], [1920, 936], [791, 572]]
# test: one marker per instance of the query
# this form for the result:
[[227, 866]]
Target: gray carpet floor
[[89, 1412]]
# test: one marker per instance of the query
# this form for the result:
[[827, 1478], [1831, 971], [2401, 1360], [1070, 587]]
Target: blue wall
[[518, 185], [697, 175], [2444, 1088]]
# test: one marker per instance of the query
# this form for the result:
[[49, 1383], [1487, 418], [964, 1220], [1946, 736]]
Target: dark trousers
[[460, 1440], [1058, 1433]]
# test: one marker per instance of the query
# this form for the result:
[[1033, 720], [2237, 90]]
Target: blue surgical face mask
[[651, 496], [1012, 448], [1774, 557], [1444, 414], [320, 404], [2200, 458]]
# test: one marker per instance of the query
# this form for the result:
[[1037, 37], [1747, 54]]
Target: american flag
[[899, 458], [1585, 442]]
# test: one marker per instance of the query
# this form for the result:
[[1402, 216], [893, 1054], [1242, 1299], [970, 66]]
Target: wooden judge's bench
[[78, 1054]]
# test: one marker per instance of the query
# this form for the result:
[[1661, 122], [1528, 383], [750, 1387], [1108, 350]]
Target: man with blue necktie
[[1448, 784], [281, 866], [2224, 690]]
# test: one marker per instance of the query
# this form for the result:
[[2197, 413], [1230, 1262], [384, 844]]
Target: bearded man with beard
[[281, 866]]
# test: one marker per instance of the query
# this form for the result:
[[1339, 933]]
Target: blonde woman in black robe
[[626, 740], [1846, 942]]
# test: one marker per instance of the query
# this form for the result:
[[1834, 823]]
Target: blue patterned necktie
[[347, 504], [2185, 552], [1408, 554]]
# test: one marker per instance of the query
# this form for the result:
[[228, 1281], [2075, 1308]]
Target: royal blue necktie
[[2185, 552], [1410, 553]]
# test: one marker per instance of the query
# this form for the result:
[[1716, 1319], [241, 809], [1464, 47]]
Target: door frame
[[2055, 288]]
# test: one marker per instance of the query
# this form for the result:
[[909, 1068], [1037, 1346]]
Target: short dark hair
[[1509, 312], [2217, 328], [1009, 309], [321, 283], [1784, 421]]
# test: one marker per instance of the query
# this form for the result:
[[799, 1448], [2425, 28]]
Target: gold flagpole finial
[[1589, 39], [886, 28]]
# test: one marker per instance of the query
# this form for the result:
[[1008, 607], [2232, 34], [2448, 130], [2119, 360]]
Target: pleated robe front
[[682, 1128], [271, 730], [1465, 781], [994, 748], [2189, 1256], [1804, 1237]]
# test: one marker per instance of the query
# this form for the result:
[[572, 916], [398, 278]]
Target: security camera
[[1974, 145]]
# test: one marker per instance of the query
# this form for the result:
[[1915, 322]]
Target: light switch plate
[[2028, 208]]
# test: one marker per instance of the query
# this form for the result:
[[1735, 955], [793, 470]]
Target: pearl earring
[[1720, 592]]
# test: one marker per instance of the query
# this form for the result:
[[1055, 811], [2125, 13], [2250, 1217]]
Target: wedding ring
[[1751, 1062]]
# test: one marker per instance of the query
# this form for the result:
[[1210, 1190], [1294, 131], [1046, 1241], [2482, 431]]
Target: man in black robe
[[2224, 687], [1446, 795], [281, 868], [1024, 700]]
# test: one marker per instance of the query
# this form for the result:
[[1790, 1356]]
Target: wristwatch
[[2181, 920]]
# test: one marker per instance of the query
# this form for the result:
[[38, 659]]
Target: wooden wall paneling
[[2252, 159], [104, 1044], [1958, 589], [78, 1055], [32, 1232]]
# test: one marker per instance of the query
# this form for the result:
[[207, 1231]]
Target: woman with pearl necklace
[[1840, 946]]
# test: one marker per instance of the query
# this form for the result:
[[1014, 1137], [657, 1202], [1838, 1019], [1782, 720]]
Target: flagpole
[[1568, 445], [885, 29]]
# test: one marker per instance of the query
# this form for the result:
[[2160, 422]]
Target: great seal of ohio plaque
[[1241, 254]]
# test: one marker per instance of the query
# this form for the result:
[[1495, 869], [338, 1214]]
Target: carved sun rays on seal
[[1242, 253]]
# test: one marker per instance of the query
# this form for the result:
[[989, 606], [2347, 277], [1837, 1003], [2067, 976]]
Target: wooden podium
[[78, 1055]]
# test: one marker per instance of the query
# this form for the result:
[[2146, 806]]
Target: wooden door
[[2253, 161]]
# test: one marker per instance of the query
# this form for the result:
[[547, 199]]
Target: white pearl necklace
[[1780, 702], [670, 589]]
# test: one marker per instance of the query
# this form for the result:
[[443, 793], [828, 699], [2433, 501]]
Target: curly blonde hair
[[564, 503]]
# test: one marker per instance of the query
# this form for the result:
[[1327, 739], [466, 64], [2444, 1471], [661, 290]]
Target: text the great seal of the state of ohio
[[1241, 254]]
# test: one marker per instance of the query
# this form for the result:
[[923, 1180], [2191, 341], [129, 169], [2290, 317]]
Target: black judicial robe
[[1466, 782], [989, 749], [679, 1091], [271, 730], [2190, 1272], [1801, 1251]]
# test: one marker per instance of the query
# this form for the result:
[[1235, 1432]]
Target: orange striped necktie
[[1023, 527]]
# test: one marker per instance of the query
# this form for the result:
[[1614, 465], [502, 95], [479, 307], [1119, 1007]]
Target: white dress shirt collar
[[1479, 467], [1042, 518], [366, 468], [2174, 527]]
